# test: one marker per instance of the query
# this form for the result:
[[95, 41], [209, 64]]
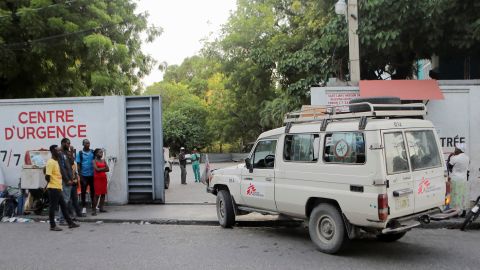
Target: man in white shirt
[[458, 178]]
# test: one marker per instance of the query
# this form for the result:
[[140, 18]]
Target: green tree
[[203, 76], [194, 71], [72, 48], [274, 50], [184, 116], [222, 123], [394, 34]]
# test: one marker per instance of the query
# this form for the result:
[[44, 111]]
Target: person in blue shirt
[[85, 170], [195, 158]]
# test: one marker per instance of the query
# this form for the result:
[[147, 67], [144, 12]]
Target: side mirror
[[248, 164]]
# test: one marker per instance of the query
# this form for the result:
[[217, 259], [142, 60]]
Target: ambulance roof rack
[[360, 111]]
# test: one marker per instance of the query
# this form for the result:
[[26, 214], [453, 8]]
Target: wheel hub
[[222, 209], [326, 228]]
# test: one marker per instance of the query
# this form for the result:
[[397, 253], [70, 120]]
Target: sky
[[185, 23]]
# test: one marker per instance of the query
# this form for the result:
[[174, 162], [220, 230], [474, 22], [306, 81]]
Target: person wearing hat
[[459, 162], [195, 158], [183, 165]]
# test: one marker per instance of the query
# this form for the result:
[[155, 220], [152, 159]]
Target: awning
[[404, 89]]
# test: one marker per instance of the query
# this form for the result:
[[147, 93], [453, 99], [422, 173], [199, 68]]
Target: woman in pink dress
[[100, 168]]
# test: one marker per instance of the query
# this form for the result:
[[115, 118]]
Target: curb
[[193, 203], [241, 223], [171, 203]]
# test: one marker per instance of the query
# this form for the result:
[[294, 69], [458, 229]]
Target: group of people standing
[[195, 158], [65, 171]]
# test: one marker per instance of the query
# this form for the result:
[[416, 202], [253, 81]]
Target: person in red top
[[100, 168]]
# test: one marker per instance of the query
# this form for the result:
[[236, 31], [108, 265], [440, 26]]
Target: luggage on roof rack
[[368, 110]]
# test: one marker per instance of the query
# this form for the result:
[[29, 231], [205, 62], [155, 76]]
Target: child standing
[[100, 168]]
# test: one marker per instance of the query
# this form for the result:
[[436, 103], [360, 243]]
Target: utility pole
[[351, 13], [353, 44]]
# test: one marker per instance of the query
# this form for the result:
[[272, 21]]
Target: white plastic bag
[[205, 177]]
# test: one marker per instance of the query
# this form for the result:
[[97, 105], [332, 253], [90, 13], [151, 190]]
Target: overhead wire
[[24, 44], [41, 8]]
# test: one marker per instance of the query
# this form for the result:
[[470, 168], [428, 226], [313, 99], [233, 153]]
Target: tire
[[327, 229], [166, 178], [469, 219], [225, 211], [373, 100], [392, 237]]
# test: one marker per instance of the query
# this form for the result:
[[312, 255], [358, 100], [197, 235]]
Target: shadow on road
[[367, 248]]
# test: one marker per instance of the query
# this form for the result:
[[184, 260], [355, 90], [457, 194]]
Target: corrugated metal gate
[[144, 145]]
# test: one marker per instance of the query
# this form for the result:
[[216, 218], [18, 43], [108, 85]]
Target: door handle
[[268, 179], [248, 179], [402, 192]]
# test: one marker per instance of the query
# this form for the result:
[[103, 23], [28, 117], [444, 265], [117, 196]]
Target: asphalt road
[[129, 246]]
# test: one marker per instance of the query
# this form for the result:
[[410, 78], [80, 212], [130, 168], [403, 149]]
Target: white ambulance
[[377, 168]]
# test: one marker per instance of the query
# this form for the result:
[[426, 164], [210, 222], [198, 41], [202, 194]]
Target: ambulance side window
[[344, 147], [423, 149], [264, 155], [301, 147], [395, 153]]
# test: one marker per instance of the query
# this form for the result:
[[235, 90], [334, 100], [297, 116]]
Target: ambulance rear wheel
[[327, 229]]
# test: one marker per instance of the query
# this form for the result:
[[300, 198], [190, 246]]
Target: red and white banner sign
[[35, 126]]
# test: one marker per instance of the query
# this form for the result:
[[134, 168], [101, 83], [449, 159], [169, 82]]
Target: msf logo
[[251, 189], [423, 186]]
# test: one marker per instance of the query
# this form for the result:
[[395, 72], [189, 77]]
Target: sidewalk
[[185, 204], [205, 214], [180, 214]]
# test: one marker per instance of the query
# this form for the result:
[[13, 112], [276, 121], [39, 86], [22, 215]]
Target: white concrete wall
[[114, 132], [101, 119], [457, 119]]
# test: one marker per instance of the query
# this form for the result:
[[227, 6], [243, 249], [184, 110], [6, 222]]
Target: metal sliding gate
[[144, 148]]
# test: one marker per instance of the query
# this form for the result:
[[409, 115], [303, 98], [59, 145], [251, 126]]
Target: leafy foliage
[[393, 34], [72, 48], [274, 50], [184, 116]]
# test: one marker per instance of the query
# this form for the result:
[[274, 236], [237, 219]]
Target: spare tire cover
[[373, 100]]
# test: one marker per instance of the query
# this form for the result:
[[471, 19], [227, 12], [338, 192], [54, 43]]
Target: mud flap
[[352, 231]]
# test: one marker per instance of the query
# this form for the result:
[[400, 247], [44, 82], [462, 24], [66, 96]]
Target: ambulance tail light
[[383, 207]]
